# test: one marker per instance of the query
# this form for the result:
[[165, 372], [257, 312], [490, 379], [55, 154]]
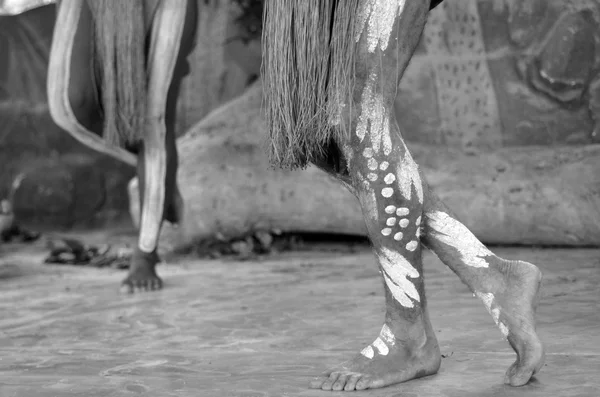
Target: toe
[[328, 384], [126, 287], [351, 382], [517, 376], [363, 383], [317, 383], [156, 284], [340, 383]]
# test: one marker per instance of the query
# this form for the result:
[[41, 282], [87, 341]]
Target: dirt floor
[[266, 327]]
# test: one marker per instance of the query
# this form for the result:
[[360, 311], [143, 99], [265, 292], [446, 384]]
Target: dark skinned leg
[[142, 273], [378, 168], [509, 289]]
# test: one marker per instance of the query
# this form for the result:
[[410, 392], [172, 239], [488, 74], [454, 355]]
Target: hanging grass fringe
[[308, 76]]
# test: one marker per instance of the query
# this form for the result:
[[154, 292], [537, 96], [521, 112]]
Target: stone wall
[[66, 184]]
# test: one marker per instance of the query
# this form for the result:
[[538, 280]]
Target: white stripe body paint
[[382, 343], [488, 300], [503, 329], [166, 38], [377, 18], [381, 347], [368, 352], [453, 233], [408, 176], [387, 335], [374, 115], [396, 271]]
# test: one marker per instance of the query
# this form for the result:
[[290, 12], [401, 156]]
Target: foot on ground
[[514, 306], [404, 361], [142, 273]]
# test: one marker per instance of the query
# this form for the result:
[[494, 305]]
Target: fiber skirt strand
[[308, 76]]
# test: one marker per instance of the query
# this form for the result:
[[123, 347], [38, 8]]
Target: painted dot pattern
[[387, 192], [402, 211], [389, 178], [411, 246], [372, 164]]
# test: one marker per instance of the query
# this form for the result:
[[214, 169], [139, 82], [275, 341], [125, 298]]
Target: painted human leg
[[387, 183], [71, 97], [383, 175], [508, 289], [167, 32]]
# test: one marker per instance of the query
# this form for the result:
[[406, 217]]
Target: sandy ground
[[266, 327]]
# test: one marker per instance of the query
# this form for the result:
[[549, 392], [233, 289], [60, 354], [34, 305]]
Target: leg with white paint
[[378, 168], [172, 38], [390, 194], [509, 289]]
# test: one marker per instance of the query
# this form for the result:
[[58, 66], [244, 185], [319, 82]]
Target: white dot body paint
[[390, 209], [372, 176], [377, 17], [390, 221], [411, 246], [368, 152], [387, 192], [389, 178], [384, 165], [372, 164], [398, 236], [368, 352], [386, 232], [403, 211], [403, 222], [396, 270], [381, 347], [451, 232]]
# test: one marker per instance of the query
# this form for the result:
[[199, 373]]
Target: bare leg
[[158, 164], [381, 172], [508, 289]]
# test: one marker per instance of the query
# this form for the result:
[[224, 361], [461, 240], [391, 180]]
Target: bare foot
[[513, 308], [142, 274], [385, 362]]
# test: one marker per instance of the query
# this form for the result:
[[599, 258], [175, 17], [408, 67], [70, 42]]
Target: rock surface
[[527, 195]]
